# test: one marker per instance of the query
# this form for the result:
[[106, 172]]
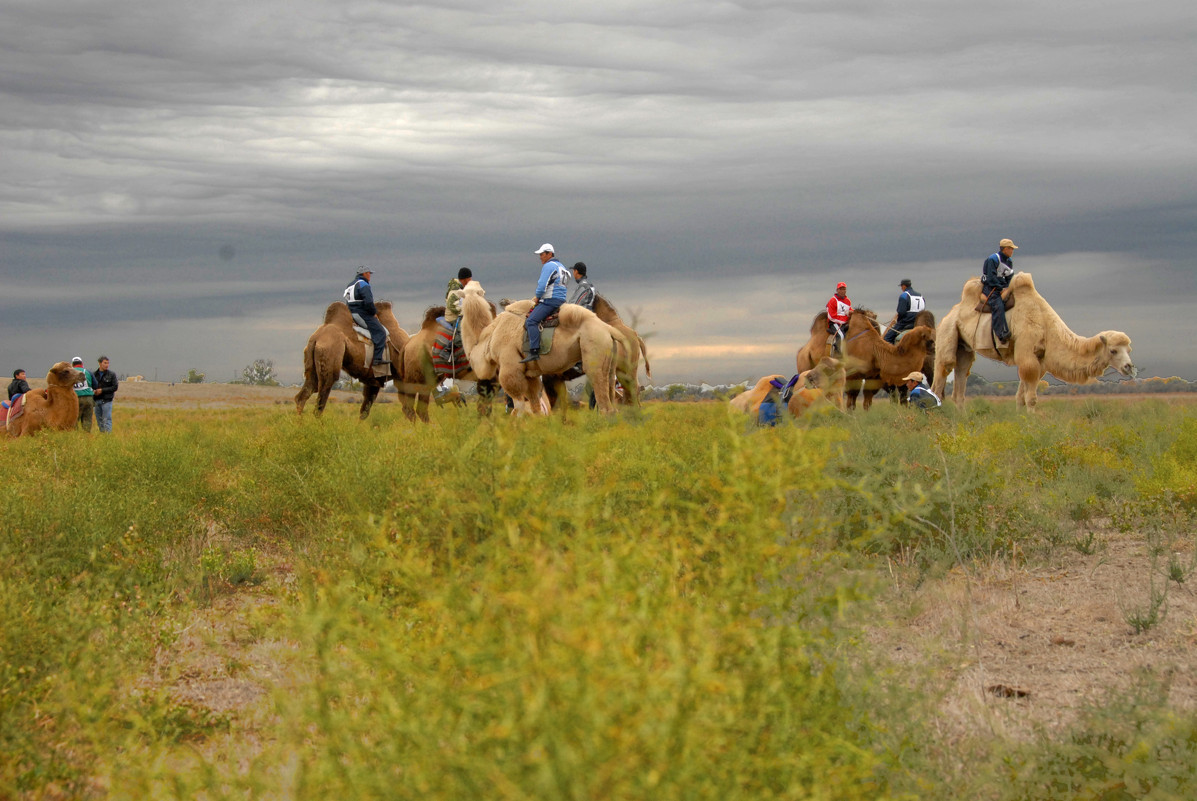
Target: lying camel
[[823, 383], [55, 408], [750, 400], [1039, 343]]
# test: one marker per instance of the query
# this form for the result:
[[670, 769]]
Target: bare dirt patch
[[1018, 647]]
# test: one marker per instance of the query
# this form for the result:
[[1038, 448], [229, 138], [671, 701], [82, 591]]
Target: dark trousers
[[378, 334], [891, 334], [998, 308], [538, 315]]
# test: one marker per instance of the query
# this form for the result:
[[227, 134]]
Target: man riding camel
[[910, 303], [361, 305], [550, 296], [995, 276], [838, 310]]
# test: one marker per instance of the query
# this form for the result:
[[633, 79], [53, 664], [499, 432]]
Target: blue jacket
[[997, 271], [552, 281], [360, 298]]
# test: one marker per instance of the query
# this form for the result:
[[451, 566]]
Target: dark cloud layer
[[190, 184]]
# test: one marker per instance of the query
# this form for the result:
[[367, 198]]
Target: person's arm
[[115, 386], [367, 297], [543, 282], [987, 272], [903, 304]]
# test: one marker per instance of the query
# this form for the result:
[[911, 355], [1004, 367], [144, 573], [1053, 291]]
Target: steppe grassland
[[670, 604]]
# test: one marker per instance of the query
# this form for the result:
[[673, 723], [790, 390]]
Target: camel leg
[[309, 379], [486, 396], [301, 397], [369, 393], [1029, 373], [964, 366]]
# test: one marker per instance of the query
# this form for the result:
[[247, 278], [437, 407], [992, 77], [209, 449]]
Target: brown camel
[[418, 374], [335, 346], [636, 350], [55, 408], [875, 363], [494, 345], [1039, 343], [817, 347]]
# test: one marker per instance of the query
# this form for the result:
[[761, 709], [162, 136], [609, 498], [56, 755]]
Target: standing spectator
[[18, 385], [106, 387], [584, 294], [85, 389]]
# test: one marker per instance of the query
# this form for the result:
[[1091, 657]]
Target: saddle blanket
[[448, 354], [546, 339]]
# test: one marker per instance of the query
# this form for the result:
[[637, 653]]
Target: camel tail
[[648, 370]]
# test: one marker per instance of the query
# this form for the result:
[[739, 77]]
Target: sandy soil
[[1019, 646]]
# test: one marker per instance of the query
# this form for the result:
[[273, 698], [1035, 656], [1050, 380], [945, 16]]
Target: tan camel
[[418, 374], [1040, 343], [335, 346], [823, 383], [494, 346], [750, 400], [55, 408], [636, 350]]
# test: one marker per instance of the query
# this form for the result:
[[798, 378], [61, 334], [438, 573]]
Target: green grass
[[664, 605]]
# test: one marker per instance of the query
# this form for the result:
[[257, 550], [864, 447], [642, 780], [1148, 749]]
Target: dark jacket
[[997, 271], [106, 380], [359, 297], [17, 386], [910, 303]]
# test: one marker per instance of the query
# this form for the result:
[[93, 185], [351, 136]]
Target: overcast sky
[[189, 184]]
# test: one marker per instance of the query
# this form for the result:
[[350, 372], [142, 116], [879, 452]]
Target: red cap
[[841, 285]]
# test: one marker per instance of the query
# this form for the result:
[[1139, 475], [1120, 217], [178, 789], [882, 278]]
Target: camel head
[[61, 375], [1115, 354]]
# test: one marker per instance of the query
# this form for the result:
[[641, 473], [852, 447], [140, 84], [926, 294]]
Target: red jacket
[[838, 309]]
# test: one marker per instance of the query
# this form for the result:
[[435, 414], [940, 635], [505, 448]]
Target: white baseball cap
[[545, 248], [77, 360]]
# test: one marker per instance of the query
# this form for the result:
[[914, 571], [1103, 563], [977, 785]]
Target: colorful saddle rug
[[448, 354], [11, 410]]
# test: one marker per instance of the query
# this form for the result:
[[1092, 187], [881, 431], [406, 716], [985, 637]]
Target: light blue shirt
[[552, 281]]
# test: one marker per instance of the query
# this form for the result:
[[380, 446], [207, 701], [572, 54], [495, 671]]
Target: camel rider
[[995, 276], [838, 310], [453, 297], [361, 306], [584, 294], [910, 303], [550, 295]]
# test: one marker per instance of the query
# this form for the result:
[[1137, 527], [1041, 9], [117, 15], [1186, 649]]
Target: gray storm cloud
[[733, 158]]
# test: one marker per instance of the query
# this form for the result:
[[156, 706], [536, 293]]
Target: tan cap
[[1007, 243], [915, 376]]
